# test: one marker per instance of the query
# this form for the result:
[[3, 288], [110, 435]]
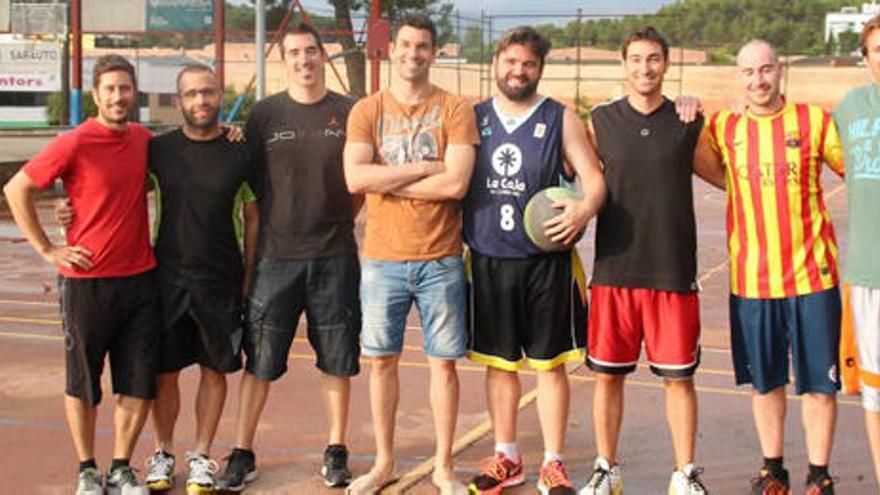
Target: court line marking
[[414, 476]]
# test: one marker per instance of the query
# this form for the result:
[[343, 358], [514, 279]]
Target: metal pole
[[76, 55], [375, 68], [260, 41], [577, 62], [460, 51], [482, 48], [220, 48]]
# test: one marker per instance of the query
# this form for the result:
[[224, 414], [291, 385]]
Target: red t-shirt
[[104, 172]]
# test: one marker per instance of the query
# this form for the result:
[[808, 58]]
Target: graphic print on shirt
[[864, 148], [410, 139]]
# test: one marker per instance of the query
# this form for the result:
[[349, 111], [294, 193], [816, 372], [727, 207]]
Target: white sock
[[508, 449], [550, 457]]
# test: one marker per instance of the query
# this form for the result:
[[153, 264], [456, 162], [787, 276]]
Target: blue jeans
[[388, 289]]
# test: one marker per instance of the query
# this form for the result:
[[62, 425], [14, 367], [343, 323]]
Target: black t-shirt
[[645, 234], [198, 182], [305, 207]]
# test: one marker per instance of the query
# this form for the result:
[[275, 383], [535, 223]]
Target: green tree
[[355, 62], [56, 100]]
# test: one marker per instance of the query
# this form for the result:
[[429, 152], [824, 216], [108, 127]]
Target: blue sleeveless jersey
[[510, 169]]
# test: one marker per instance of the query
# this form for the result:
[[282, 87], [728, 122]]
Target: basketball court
[[39, 457]]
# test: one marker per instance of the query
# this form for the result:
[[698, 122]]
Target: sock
[[249, 453], [773, 464], [508, 449], [550, 457], [817, 472], [118, 463], [90, 463]]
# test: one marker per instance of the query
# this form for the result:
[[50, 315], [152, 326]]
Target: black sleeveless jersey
[[646, 234]]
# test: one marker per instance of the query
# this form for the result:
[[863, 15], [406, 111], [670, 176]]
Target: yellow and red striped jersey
[[779, 234]]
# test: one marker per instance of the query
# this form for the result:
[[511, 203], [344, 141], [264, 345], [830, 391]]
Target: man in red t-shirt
[[109, 302]]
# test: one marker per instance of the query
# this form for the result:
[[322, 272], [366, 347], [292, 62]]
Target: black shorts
[[527, 311], [327, 290], [119, 316], [200, 325]]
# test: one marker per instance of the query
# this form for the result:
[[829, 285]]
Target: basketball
[[539, 209]]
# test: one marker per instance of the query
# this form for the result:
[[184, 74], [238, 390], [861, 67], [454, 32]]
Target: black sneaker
[[771, 483], [821, 485], [335, 469], [241, 468]]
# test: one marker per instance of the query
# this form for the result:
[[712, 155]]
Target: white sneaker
[[89, 482], [687, 482], [122, 481], [160, 471], [201, 474], [605, 480]]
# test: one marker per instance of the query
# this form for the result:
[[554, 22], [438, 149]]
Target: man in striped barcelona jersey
[[858, 118], [783, 261]]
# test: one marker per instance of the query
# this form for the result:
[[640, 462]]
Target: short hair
[[301, 28], [524, 35], [645, 33], [193, 68], [111, 63], [869, 26], [417, 21]]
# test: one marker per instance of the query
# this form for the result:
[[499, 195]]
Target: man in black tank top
[[644, 280]]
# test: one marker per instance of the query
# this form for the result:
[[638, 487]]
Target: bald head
[[756, 49], [760, 73]]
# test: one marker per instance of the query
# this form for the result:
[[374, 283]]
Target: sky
[[529, 8]]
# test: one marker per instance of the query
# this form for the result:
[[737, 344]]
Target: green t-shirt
[[858, 121]]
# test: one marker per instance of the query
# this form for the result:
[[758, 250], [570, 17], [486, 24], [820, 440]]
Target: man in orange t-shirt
[[411, 150]]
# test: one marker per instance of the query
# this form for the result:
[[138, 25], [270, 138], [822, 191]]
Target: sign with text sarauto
[[30, 66]]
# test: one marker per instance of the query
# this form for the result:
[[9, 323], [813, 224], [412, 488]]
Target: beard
[[202, 122], [517, 94]]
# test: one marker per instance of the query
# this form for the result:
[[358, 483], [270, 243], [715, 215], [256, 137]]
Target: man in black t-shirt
[[307, 255], [644, 278], [205, 215], [202, 189]]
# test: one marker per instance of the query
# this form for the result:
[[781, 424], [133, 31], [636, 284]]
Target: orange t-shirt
[[403, 229]]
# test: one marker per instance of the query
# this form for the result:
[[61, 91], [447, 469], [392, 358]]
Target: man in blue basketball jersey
[[525, 308]]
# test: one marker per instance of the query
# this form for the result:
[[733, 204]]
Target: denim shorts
[[388, 289]]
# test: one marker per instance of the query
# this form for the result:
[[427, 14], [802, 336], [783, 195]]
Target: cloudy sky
[[530, 7]]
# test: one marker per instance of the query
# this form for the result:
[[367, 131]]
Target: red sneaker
[[554, 481], [497, 472]]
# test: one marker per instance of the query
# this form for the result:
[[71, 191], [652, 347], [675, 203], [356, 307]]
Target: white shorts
[[865, 306]]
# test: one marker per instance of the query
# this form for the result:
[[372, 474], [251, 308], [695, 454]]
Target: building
[[849, 19]]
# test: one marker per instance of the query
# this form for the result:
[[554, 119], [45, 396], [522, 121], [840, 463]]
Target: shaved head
[[760, 75], [756, 48]]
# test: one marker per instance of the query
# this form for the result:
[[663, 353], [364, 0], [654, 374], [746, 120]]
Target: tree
[[355, 62]]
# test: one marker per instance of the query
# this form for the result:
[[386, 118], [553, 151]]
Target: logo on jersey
[[540, 130], [507, 159]]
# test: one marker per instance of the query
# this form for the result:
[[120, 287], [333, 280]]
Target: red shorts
[[668, 321]]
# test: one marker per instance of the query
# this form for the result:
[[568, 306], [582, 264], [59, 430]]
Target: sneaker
[[687, 482], [605, 480], [122, 481], [553, 481], [241, 468], [89, 482], [201, 474], [497, 472], [771, 483], [823, 485], [160, 471], [335, 469]]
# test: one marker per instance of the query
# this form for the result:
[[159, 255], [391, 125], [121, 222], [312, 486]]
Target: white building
[[849, 19]]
